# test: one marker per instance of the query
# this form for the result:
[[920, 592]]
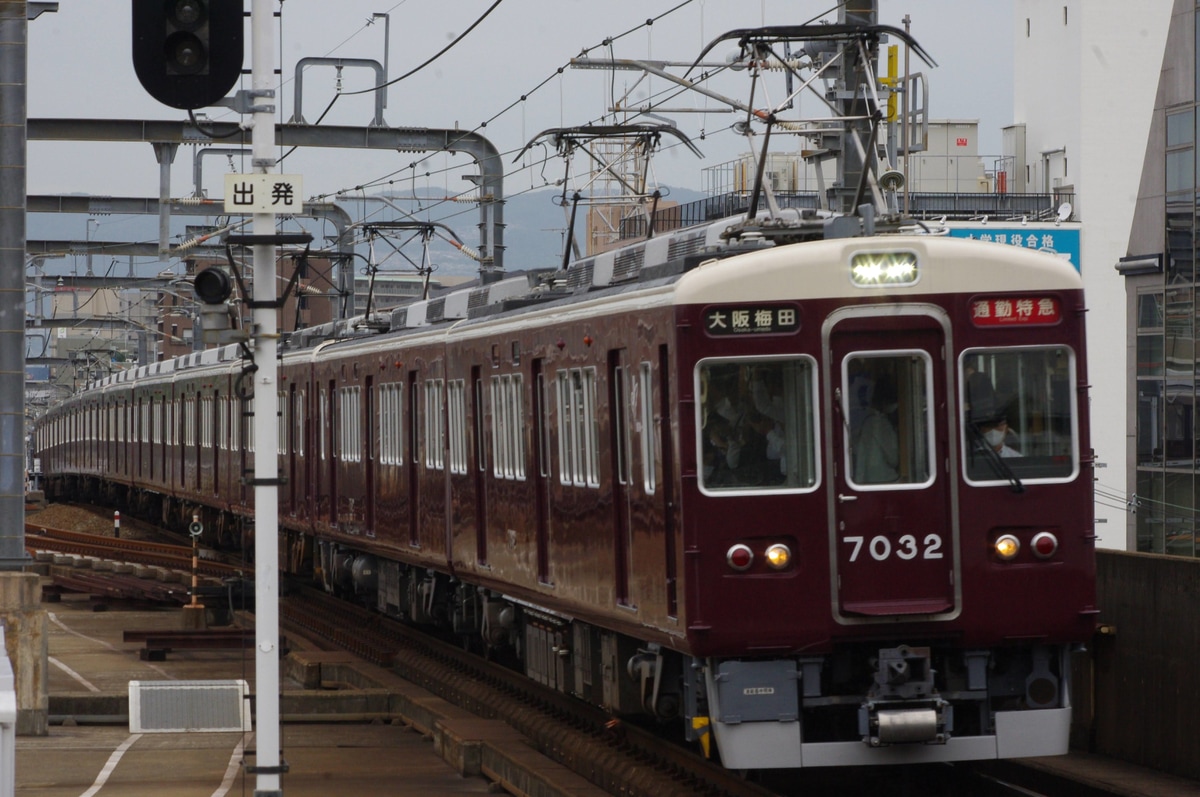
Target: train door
[[541, 471], [368, 442], [289, 442], [330, 432], [666, 447], [214, 428], [139, 458], [894, 535], [479, 466], [414, 481], [622, 467]]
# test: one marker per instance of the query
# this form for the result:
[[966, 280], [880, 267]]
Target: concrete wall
[[27, 643], [1143, 696]]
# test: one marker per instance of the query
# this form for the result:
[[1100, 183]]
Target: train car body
[[827, 503]]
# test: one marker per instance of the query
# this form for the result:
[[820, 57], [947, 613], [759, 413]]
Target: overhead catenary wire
[[606, 42]]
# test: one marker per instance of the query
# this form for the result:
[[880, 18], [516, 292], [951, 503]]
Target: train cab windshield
[[757, 428], [1018, 411]]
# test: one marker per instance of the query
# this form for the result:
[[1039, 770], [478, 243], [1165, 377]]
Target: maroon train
[[826, 502]]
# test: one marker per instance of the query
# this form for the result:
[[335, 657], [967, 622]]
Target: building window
[[1181, 158]]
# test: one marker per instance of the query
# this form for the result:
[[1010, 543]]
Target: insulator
[[467, 250], [188, 244], [776, 65], [195, 200], [466, 198]]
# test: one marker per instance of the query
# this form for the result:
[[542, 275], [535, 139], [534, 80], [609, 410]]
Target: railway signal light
[[188, 53], [213, 288]]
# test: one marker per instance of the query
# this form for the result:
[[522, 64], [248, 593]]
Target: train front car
[[886, 501]]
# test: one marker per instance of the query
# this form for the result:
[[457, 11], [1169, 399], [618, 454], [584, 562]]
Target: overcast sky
[[79, 67]]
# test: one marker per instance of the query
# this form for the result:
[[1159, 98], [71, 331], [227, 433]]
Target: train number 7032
[[880, 547]]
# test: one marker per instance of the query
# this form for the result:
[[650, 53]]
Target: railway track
[[618, 757], [156, 554]]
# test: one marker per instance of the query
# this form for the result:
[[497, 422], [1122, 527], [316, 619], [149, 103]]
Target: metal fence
[[924, 205]]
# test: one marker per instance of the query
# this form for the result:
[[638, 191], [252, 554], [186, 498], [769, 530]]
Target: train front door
[[893, 534]]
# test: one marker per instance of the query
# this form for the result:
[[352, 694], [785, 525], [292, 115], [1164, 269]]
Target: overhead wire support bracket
[[277, 239]]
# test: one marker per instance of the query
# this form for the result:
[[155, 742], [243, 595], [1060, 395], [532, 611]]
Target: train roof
[[779, 252], [941, 265]]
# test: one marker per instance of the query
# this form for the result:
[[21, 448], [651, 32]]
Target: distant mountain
[[535, 229]]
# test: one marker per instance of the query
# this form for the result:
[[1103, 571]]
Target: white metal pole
[[266, 435]]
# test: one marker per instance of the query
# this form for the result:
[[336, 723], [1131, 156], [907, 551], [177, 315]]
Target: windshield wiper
[[980, 445]]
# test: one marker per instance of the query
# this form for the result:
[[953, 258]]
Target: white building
[[1087, 72]]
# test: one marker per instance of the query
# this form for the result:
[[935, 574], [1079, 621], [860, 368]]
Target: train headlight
[[779, 556], [1007, 547], [1044, 545], [882, 269], [740, 557]]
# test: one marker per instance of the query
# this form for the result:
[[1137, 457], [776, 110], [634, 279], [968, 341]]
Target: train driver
[[994, 432]]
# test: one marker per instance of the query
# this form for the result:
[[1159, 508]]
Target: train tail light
[[779, 556], [1044, 545], [739, 557], [1007, 547]]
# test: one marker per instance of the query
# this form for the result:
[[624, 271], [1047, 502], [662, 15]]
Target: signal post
[[188, 55]]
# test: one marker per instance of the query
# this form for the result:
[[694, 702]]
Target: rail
[[177, 557]]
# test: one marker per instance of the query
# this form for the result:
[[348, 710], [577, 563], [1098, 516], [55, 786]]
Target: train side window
[[1017, 410], [578, 432], [508, 427], [281, 423], [299, 423], [457, 411], [649, 431], [888, 419], [435, 440], [350, 424], [235, 431], [323, 409], [391, 424], [756, 424], [206, 424], [189, 423]]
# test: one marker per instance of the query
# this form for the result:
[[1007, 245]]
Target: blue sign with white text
[[1063, 239]]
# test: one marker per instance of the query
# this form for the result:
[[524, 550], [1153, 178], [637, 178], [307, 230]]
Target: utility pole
[[268, 767], [188, 54], [853, 103], [20, 612]]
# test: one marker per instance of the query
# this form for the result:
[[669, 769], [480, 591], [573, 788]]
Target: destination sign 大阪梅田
[[751, 320]]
